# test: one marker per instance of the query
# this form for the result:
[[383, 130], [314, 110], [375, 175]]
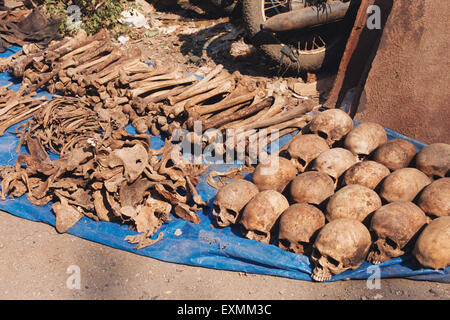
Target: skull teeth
[[320, 275], [320, 278]]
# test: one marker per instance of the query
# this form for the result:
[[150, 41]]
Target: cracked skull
[[341, 244], [261, 213], [394, 226], [366, 173], [395, 154], [312, 187], [354, 202], [434, 160], [298, 225], [231, 199], [334, 162], [403, 185], [332, 125], [305, 148], [432, 248], [365, 138]]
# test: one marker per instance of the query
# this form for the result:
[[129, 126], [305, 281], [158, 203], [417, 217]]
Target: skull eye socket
[[322, 134], [391, 243], [216, 208], [259, 233], [301, 161], [334, 262], [315, 253], [232, 212], [284, 242]]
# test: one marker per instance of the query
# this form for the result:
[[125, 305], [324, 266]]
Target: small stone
[[195, 59], [378, 296], [178, 232], [436, 291]]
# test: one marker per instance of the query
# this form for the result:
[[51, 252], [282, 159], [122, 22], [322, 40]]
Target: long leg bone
[[99, 63], [208, 86], [215, 122], [198, 85], [224, 87], [162, 84], [173, 75]]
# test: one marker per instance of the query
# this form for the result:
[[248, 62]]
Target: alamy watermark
[[373, 17], [73, 282], [73, 21], [374, 280]]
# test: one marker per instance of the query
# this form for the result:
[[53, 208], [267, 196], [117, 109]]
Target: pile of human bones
[[339, 193], [342, 194], [103, 172]]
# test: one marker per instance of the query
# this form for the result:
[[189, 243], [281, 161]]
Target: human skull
[[353, 202], [331, 124], [365, 138], [312, 187], [403, 185], [432, 248], [435, 198], [231, 199], [395, 154], [334, 162], [305, 148], [434, 160], [341, 244], [261, 213], [298, 224], [366, 173], [395, 226], [274, 174]]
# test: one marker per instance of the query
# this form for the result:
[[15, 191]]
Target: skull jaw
[[324, 269], [320, 274]]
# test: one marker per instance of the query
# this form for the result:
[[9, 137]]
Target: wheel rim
[[303, 42]]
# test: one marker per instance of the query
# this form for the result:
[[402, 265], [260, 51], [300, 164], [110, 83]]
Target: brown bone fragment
[[216, 122]]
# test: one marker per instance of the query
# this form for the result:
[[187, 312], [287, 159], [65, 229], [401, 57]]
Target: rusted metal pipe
[[306, 17]]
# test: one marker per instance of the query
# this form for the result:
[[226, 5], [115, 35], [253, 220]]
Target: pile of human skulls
[[342, 194]]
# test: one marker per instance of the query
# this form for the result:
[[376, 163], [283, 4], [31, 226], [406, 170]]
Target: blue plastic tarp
[[203, 244]]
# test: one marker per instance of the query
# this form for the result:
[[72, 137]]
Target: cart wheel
[[310, 49]]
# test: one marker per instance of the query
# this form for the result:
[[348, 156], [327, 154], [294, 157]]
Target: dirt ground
[[36, 261]]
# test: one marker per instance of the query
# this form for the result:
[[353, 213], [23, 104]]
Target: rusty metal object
[[306, 17], [403, 84], [358, 52]]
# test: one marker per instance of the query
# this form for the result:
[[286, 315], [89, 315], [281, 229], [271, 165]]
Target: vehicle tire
[[226, 5], [282, 50]]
